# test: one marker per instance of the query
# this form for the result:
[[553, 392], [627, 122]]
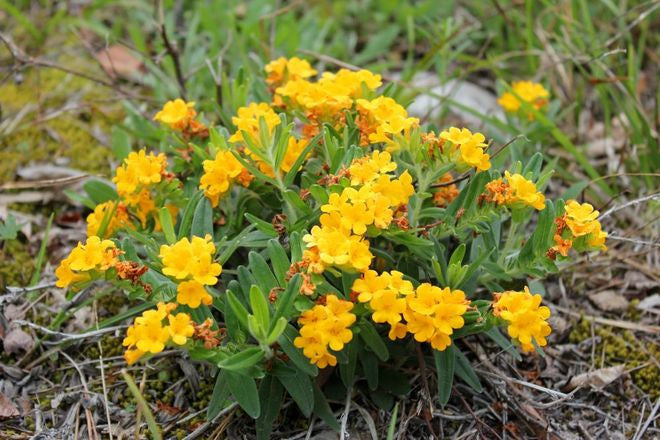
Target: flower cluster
[[152, 331], [525, 316], [135, 179], [578, 227], [191, 259], [325, 325], [461, 146], [325, 100], [530, 92], [373, 199], [180, 116], [516, 192], [96, 255], [430, 313], [220, 173], [115, 214], [282, 70], [380, 119]]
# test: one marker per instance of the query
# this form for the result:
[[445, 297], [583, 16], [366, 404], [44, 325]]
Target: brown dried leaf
[[598, 378], [609, 301], [17, 340], [7, 408], [117, 60]]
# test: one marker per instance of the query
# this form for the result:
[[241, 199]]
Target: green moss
[[623, 347], [60, 115], [16, 263]]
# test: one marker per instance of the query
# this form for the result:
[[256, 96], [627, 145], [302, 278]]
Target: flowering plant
[[324, 229]]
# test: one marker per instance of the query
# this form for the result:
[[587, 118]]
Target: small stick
[[172, 52]]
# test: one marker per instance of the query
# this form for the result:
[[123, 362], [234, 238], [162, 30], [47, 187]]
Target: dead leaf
[[7, 408], [117, 60], [650, 302], [609, 301], [597, 379], [17, 340]]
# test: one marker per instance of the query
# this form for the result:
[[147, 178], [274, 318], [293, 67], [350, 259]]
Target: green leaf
[[244, 390], [260, 308], [166, 225], [301, 389], [278, 327], [218, 397], [465, 372], [392, 426], [9, 228], [262, 273], [120, 143], [264, 226], [100, 192], [322, 409], [202, 222], [444, 365], [143, 405], [347, 370], [286, 299], [369, 363], [187, 217], [504, 343], [279, 260], [242, 360], [271, 395], [370, 336], [237, 307], [457, 255]]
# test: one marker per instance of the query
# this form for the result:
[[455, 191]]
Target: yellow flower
[[397, 331], [139, 169], [176, 114], [381, 119], [150, 334], [433, 314], [180, 328], [470, 147], [95, 254], [248, 121], [597, 238], [388, 307], [581, 218], [192, 294], [517, 192], [525, 317], [523, 190], [191, 260], [65, 276], [367, 169], [530, 92], [325, 326], [131, 356], [219, 174], [282, 70], [116, 220]]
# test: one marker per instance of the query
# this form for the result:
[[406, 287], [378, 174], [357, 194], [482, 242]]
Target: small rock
[[609, 301]]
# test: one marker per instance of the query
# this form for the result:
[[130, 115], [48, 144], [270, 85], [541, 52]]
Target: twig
[[103, 384], [651, 417], [172, 52], [654, 196], [91, 428], [68, 336], [612, 322], [48, 183], [634, 240], [478, 420], [425, 389], [343, 435]]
